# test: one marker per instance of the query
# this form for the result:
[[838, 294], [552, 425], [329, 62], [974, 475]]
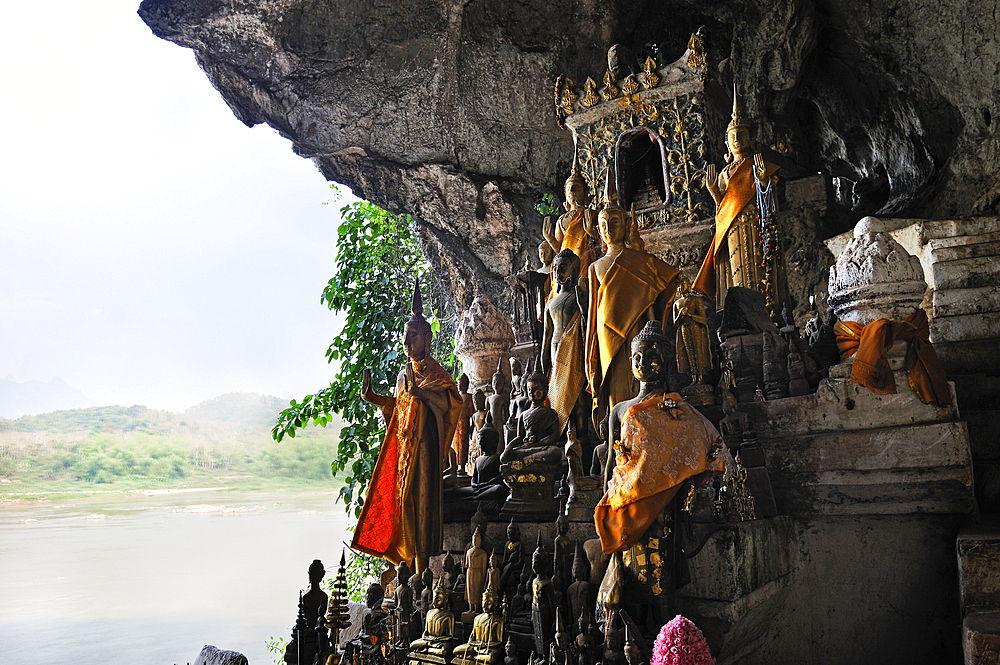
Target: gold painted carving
[[697, 48], [650, 80], [629, 86], [568, 98], [610, 91], [590, 97]]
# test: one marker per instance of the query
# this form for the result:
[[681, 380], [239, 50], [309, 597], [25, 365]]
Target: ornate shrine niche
[[641, 171], [648, 130]]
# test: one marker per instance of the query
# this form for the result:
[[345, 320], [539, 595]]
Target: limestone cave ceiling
[[445, 109]]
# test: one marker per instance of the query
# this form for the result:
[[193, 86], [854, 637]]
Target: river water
[[152, 578]]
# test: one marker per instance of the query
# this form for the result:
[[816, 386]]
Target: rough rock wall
[[444, 109]]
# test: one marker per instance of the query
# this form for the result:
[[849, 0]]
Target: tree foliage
[[378, 258]]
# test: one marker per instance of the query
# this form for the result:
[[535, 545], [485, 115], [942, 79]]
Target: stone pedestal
[[532, 498], [585, 497]]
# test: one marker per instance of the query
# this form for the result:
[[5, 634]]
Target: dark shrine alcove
[[641, 171]]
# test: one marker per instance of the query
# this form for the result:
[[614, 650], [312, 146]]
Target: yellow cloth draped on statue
[[619, 307], [662, 448], [735, 261], [402, 515], [566, 381], [575, 237]]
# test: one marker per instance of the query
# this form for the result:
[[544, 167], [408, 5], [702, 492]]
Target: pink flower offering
[[680, 642]]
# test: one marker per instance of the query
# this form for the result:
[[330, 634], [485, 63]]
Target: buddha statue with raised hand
[[746, 250], [435, 645], [575, 229], [402, 516]]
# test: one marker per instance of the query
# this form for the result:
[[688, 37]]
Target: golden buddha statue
[[435, 645], [485, 642], [577, 227], [746, 250], [694, 357], [627, 287]]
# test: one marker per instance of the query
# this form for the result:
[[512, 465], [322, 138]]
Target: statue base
[[587, 492], [699, 394], [532, 496]]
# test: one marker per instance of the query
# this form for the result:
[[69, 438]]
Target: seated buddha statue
[[485, 645], [436, 643], [537, 429]]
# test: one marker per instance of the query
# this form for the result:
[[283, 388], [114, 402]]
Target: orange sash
[[741, 188], [868, 345]]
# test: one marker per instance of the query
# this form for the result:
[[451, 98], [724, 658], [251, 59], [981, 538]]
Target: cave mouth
[[641, 170]]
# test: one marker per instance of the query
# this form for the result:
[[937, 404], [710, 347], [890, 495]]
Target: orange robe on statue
[[576, 238], [402, 515], [664, 448]]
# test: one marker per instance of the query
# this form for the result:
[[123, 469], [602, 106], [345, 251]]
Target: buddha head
[[545, 253], [477, 538], [577, 192], [489, 439], [316, 572], [562, 524], [538, 388], [513, 532], [566, 267], [540, 558], [489, 600], [417, 331], [738, 138], [374, 596], [494, 560], [650, 353], [499, 379], [479, 398], [463, 383], [402, 573], [441, 597]]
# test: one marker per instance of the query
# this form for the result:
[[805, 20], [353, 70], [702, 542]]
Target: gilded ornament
[[568, 97], [590, 97], [630, 87], [697, 47], [609, 91], [650, 80]]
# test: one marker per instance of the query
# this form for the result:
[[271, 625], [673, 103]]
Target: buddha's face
[[440, 597], [489, 601], [416, 342], [612, 226], [537, 390], [563, 269], [545, 253], [576, 194], [498, 383], [477, 538], [463, 384], [738, 140], [647, 361]]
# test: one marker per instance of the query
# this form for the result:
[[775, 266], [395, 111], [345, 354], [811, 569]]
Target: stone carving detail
[[483, 334], [875, 277]]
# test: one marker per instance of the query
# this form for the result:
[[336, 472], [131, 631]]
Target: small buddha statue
[[487, 483], [436, 643], [563, 549], [797, 383], [315, 600], [463, 433], [513, 561], [404, 604], [475, 574], [449, 572], [694, 357], [499, 402], [481, 409], [732, 424], [520, 403], [537, 430], [511, 650], [580, 592], [647, 195], [543, 602], [427, 595], [577, 228], [484, 645]]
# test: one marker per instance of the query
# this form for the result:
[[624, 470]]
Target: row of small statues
[[508, 612]]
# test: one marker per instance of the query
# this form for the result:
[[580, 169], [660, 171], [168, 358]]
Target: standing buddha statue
[[577, 228], [746, 250]]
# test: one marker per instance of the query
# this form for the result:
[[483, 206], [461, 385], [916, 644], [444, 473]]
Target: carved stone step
[[955, 302], [969, 251], [979, 567]]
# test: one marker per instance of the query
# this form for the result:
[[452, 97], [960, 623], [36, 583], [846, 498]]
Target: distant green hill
[[99, 418], [239, 409]]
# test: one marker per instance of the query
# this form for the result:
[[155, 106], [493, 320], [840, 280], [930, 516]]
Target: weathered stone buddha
[[476, 562], [403, 612], [513, 561], [740, 254], [487, 484], [581, 592], [628, 287], [464, 429], [485, 642], [575, 230], [537, 430], [562, 344], [402, 515], [543, 601], [499, 402], [437, 641]]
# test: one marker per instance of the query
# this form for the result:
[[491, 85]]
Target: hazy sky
[[153, 249]]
